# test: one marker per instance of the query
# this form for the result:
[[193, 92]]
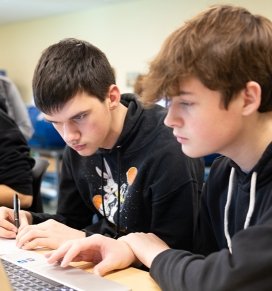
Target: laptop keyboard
[[22, 279]]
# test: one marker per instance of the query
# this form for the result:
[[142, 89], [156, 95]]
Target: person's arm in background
[[16, 164], [17, 108], [6, 196]]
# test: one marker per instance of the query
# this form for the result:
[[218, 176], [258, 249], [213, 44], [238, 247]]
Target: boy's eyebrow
[[183, 92], [70, 118]]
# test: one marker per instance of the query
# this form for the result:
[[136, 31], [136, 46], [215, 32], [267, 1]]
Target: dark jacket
[[245, 264], [15, 160], [157, 183]]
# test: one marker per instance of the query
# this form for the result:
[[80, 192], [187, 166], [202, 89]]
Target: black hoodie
[[245, 263], [16, 163], [158, 185]]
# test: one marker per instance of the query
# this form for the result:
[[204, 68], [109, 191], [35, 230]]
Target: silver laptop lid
[[72, 277]]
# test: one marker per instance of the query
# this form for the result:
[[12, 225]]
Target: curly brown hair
[[224, 47]]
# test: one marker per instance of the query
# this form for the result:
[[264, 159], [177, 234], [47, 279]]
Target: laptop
[[33, 269]]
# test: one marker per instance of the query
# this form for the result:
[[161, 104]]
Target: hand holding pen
[[16, 209]]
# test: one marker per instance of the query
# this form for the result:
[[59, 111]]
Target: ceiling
[[21, 10]]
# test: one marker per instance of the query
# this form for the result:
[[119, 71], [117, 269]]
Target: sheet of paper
[[7, 246]]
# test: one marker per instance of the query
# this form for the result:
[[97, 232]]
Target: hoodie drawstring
[[250, 208], [226, 213]]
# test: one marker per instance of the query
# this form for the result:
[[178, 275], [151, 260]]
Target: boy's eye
[[80, 117], [183, 103]]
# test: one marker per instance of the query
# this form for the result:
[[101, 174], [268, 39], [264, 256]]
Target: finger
[[70, 255], [104, 267], [48, 255], [23, 230], [9, 226], [40, 242], [7, 233], [29, 236], [58, 254]]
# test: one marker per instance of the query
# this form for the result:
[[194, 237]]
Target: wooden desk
[[134, 278]]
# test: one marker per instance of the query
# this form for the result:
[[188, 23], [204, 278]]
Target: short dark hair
[[224, 47], [67, 68]]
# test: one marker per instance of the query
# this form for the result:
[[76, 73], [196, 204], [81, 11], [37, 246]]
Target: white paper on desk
[[7, 246]]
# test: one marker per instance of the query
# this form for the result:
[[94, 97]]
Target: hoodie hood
[[130, 139]]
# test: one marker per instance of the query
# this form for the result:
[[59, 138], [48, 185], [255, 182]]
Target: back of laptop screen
[[5, 285]]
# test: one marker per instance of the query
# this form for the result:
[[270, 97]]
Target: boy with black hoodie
[[217, 71], [122, 168]]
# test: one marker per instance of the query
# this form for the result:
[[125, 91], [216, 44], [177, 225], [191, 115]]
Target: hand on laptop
[[7, 227], [108, 254], [50, 234]]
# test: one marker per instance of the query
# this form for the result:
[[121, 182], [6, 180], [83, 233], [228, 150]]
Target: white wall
[[130, 33]]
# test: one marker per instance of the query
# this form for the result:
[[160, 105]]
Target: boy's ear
[[252, 97], [114, 96]]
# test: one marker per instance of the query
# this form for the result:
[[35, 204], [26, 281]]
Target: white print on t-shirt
[[110, 196]]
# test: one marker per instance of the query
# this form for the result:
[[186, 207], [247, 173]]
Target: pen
[[16, 209]]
